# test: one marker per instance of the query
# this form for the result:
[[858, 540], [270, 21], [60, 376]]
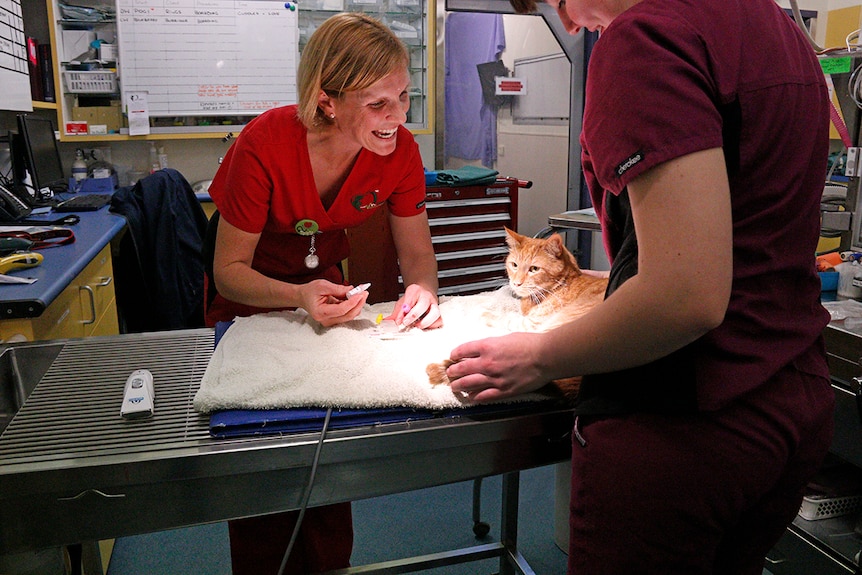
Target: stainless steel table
[[72, 470]]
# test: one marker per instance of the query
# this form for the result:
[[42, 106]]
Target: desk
[[72, 470], [62, 266], [572, 220]]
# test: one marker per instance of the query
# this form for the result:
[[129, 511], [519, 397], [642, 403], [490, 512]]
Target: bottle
[[79, 166], [163, 158], [154, 158]]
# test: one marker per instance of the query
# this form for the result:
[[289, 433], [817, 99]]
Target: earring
[[332, 116]]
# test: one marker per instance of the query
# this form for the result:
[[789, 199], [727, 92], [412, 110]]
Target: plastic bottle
[[154, 158], [163, 158], [79, 166]]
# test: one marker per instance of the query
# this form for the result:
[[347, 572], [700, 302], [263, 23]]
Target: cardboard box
[[109, 116]]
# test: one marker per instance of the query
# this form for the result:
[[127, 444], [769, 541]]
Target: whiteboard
[[14, 72], [547, 100], [208, 57]]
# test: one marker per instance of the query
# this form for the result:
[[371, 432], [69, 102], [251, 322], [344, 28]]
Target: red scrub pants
[[701, 494], [325, 541]]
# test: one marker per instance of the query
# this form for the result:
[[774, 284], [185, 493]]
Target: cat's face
[[534, 265]]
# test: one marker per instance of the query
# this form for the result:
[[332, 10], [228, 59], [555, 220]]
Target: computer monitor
[[41, 154]]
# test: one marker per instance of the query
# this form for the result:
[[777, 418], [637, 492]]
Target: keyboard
[[83, 203]]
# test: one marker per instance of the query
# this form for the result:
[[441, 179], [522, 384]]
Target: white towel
[[286, 359]]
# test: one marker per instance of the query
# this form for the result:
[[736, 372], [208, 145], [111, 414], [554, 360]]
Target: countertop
[[61, 264]]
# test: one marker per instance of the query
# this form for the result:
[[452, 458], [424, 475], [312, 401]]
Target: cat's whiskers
[[539, 294]]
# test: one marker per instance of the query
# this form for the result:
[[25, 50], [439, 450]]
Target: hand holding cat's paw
[[437, 372]]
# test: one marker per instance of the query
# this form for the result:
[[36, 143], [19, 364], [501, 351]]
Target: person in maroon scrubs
[[706, 403]]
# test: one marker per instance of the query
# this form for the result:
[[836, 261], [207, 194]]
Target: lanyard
[[42, 239]]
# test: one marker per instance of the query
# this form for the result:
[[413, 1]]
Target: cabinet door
[[86, 307], [62, 319], [97, 298], [796, 554]]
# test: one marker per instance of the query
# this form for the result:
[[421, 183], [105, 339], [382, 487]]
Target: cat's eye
[[534, 269]]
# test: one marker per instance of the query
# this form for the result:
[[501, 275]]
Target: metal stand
[[511, 560]]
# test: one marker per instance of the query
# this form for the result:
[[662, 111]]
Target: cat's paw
[[568, 387], [437, 372]]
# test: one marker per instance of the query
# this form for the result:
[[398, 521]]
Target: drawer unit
[[831, 545], [467, 234], [800, 552], [86, 307]]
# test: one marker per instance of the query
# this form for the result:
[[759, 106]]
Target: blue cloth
[[466, 176], [470, 124]]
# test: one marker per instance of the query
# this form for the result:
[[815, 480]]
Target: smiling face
[[371, 116]]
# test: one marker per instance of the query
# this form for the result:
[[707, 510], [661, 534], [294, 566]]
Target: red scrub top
[[265, 185]]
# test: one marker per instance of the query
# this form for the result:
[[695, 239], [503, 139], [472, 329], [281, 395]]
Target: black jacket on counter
[[160, 266]]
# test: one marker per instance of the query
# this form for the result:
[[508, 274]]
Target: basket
[[91, 81], [820, 507]]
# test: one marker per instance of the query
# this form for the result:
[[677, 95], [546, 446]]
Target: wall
[[535, 153]]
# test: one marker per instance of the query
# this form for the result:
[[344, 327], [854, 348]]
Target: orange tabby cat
[[552, 288]]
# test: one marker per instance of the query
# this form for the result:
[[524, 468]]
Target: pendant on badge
[[311, 260], [309, 228]]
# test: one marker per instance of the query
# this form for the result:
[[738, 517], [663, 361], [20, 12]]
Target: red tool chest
[[466, 231]]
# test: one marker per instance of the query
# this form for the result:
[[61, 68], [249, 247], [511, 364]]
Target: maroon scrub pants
[[325, 541], [709, 493]]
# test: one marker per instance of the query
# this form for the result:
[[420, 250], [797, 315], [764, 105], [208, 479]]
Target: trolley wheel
[[481, 529]]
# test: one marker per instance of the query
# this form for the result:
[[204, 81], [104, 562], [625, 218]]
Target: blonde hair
[[349, 51], [523, 6]]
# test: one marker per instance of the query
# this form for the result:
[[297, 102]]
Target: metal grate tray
[[56, 424]]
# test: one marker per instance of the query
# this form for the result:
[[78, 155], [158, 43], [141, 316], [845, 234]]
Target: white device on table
[[358, 289], [139, 395]]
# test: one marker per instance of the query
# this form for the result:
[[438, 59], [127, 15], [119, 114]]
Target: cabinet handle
[[90, 291], [103, 281], [856, 386], [94, 492]]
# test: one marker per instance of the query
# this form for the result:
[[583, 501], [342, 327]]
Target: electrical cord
[[797, 15], [307, 495]]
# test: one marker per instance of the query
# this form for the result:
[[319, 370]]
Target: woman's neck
[[332, 157]]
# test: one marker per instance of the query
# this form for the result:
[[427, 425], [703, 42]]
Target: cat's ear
[[554, 246], [513, 239]]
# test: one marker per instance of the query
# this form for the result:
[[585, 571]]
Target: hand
[[497, 367], [326, 302], [418, 308]]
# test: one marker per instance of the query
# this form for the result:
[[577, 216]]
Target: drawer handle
[[90, 291], [774, 561], [858, 393], [94, 491], [104, 281]]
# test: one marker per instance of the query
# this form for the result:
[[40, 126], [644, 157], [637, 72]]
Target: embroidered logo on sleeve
[[366, 201], [630, 162]]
